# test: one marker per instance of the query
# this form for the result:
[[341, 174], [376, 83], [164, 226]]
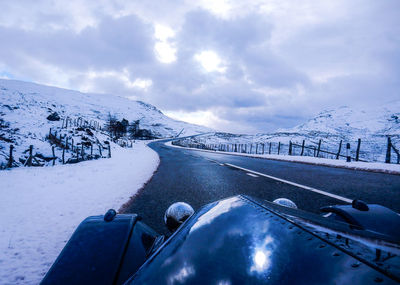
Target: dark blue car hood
[[236, 241]]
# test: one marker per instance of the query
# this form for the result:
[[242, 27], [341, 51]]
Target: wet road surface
[[198, 177]]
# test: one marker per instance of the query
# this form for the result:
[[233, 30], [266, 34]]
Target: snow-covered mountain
[[25, 106], [345, 124]]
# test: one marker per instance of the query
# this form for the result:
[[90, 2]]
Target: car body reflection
[[236, 241]]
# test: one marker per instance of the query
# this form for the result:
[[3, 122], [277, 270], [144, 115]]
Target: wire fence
[[314, 149]]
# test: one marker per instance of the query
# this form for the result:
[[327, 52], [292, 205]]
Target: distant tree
[[133, 129], [111, 125], [115, 128]]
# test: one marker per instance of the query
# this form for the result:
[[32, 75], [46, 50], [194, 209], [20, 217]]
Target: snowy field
[[41, 207], [356, 165]]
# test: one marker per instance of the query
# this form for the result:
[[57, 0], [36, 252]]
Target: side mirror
[[176, 214]]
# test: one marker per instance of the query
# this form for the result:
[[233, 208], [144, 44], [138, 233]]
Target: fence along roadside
[[305, 150], [84, 152]]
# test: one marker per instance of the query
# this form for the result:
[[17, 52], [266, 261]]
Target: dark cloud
[[203, 30]]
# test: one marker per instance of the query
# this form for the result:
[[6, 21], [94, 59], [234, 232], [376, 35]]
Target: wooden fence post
[[101, 154], [398, 154], [270, 145], [388, 150], [63, 156], [72, 145], [263, 148], [290, 148], [30, 155], [91, 150], [256, 148], [54, 155], [279, 147], [10, 161], [340, 148], [348, 158], [319, 147], [302, 147], [82, 152], [251, 148], [109, 150], [358, 149]]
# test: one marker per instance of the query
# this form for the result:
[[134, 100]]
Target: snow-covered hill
[[346, 123], [25, 106], [372, 126]]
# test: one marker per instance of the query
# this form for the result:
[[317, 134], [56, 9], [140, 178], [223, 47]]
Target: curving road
[[199, 177]]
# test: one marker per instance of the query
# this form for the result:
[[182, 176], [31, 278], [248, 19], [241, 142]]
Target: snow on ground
[[41, 207], [356, 165]]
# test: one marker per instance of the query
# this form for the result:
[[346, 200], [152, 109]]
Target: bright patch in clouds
[[123, 76], [142, 83], [204, 118], [165, 49], [163, 33], [218, 7], [165, 52], [210, 61]]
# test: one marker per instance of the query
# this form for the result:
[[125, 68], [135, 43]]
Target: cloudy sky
[[239, 66]]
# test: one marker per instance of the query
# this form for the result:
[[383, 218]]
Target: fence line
[[81, 122], [62, 141], [389, 149], [316, 151]]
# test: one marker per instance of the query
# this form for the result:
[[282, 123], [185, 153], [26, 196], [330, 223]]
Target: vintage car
[[238, 240]]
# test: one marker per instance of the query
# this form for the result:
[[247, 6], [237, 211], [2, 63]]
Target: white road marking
[[251, 174], [344, 199], [217, 162]]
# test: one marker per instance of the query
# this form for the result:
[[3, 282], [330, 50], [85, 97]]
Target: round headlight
[[176, 214]]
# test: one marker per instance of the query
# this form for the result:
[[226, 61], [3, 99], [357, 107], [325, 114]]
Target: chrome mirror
[[176, 214]]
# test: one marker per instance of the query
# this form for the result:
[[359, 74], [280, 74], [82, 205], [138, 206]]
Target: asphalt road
[[198, 177]]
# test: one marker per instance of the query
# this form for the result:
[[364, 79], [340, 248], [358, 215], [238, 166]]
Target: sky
[[236, 66]]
